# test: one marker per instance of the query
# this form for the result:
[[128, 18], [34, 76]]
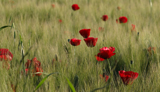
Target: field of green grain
[[37, 31]]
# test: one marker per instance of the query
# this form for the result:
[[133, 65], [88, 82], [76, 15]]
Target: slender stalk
[[111, 73]]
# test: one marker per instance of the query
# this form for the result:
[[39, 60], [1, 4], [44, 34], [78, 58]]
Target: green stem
[[109, 66], [97, 72], [111, 74]]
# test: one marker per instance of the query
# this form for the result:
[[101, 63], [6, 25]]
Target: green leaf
[[42, 81], [4, 27], [70, 85]]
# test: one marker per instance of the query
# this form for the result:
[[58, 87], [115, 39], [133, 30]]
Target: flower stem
[[111, 73], [109, 66]]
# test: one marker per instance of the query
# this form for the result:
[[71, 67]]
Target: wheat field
[[36, 28]]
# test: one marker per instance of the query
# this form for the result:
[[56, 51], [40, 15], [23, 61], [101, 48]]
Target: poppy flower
[[36, 66], [105, 17], [133, 28], [91, 41], [85, 32], [34, 61], [117, 21], [74, 41], [118, 8], [38, 71], [105, 53], [104, 76], [128, 76], [53, 5], [5, 54], [75, 7], [123, 19], [60, 21]]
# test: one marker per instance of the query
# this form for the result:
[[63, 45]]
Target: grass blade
[[42, 81], [4, 27], [76, 82], [70, 85], [99, 88]]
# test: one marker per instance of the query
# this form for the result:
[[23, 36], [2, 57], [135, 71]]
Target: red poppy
[[117, 21], [85, 32], [60, 21], [36, 66], [133, 28], [53, 5], [118, 8], [105, 17], [5, 54], [74, 41], [105, 53], [38, 71], [104, 76], [35, 62], [123, 19], [128, 76], [75, 7], [91, 41]]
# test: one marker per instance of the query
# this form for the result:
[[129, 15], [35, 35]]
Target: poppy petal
[[99, 58]]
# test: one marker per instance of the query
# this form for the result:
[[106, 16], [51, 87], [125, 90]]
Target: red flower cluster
[[5, 55], [35, 64], [128, 76], [105, 53], [75, 7], [90, 41], [105, 17]]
